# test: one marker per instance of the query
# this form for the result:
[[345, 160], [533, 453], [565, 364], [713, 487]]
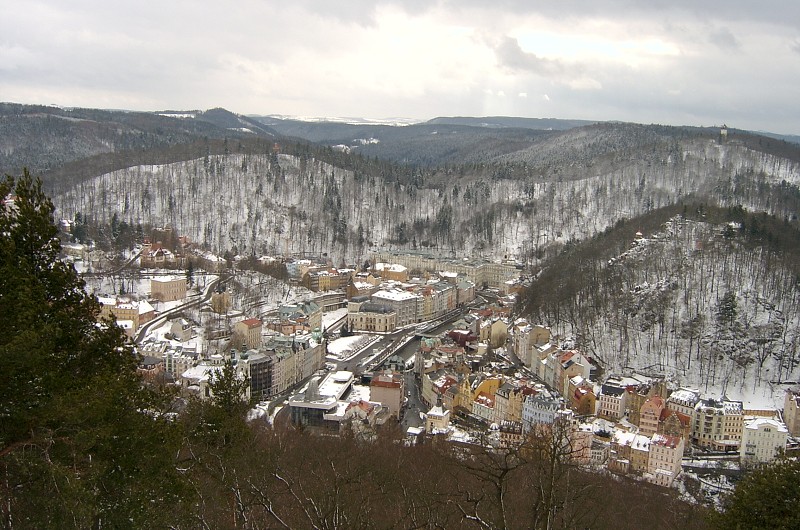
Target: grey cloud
[[785, 13], [512, 56], [723, 38]]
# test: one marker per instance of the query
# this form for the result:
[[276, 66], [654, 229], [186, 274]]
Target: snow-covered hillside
[[287, 204], [695, 302]]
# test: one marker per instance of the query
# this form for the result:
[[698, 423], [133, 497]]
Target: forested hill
[[46, 138], [707, 296], [525, 204]]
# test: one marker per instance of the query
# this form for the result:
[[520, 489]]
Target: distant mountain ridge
[[542, 124], [45, 138]]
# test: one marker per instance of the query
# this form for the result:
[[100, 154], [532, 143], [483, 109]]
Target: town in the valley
[[425, 345]]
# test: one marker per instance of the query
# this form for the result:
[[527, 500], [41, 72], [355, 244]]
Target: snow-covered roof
[[438, 412], [200, 373], [391, 267], [633, 440], [395, 295], [166, 279], [685, 395], [666, 441], [760, 422], [336, 383]]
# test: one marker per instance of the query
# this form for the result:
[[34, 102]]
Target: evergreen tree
[[190, 273], [81, 443], [727, 309], [764, 499]]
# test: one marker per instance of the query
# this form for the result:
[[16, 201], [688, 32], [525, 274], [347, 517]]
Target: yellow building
[[250, 332], [168, 289]]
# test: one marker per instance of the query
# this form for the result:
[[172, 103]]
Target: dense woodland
[[294, 203]]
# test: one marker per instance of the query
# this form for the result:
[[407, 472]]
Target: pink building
[[649, 415]]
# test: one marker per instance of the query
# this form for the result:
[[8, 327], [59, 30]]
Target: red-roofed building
[[483, 406], [581, 396], [156, 256], [462, 336], [673, 423]]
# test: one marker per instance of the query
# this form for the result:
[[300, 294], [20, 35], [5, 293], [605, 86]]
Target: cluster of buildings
[[305, 315], [483, 273], [387, 298], [130, 313], [272, 363], [274, 355], [398, 290], [629, 424], [332, 404]]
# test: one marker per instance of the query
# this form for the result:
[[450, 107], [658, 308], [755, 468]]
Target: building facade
[[763, 439], [168, 289]]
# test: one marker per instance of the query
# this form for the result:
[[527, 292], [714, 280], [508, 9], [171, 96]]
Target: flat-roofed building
[[718, 424], [318, 407]]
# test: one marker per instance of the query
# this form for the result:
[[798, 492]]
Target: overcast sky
[[690, 62]]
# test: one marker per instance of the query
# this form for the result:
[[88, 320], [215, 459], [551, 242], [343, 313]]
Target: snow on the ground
[[162, 307], [769, 396], [274, 414], [259, 411], [159, 332], [332, 317], [344, 347]]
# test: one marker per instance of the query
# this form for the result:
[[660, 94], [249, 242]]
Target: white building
[[762, 439], [684, 400], [437, 420], [540, 408], [612, 399], [402, 302]]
